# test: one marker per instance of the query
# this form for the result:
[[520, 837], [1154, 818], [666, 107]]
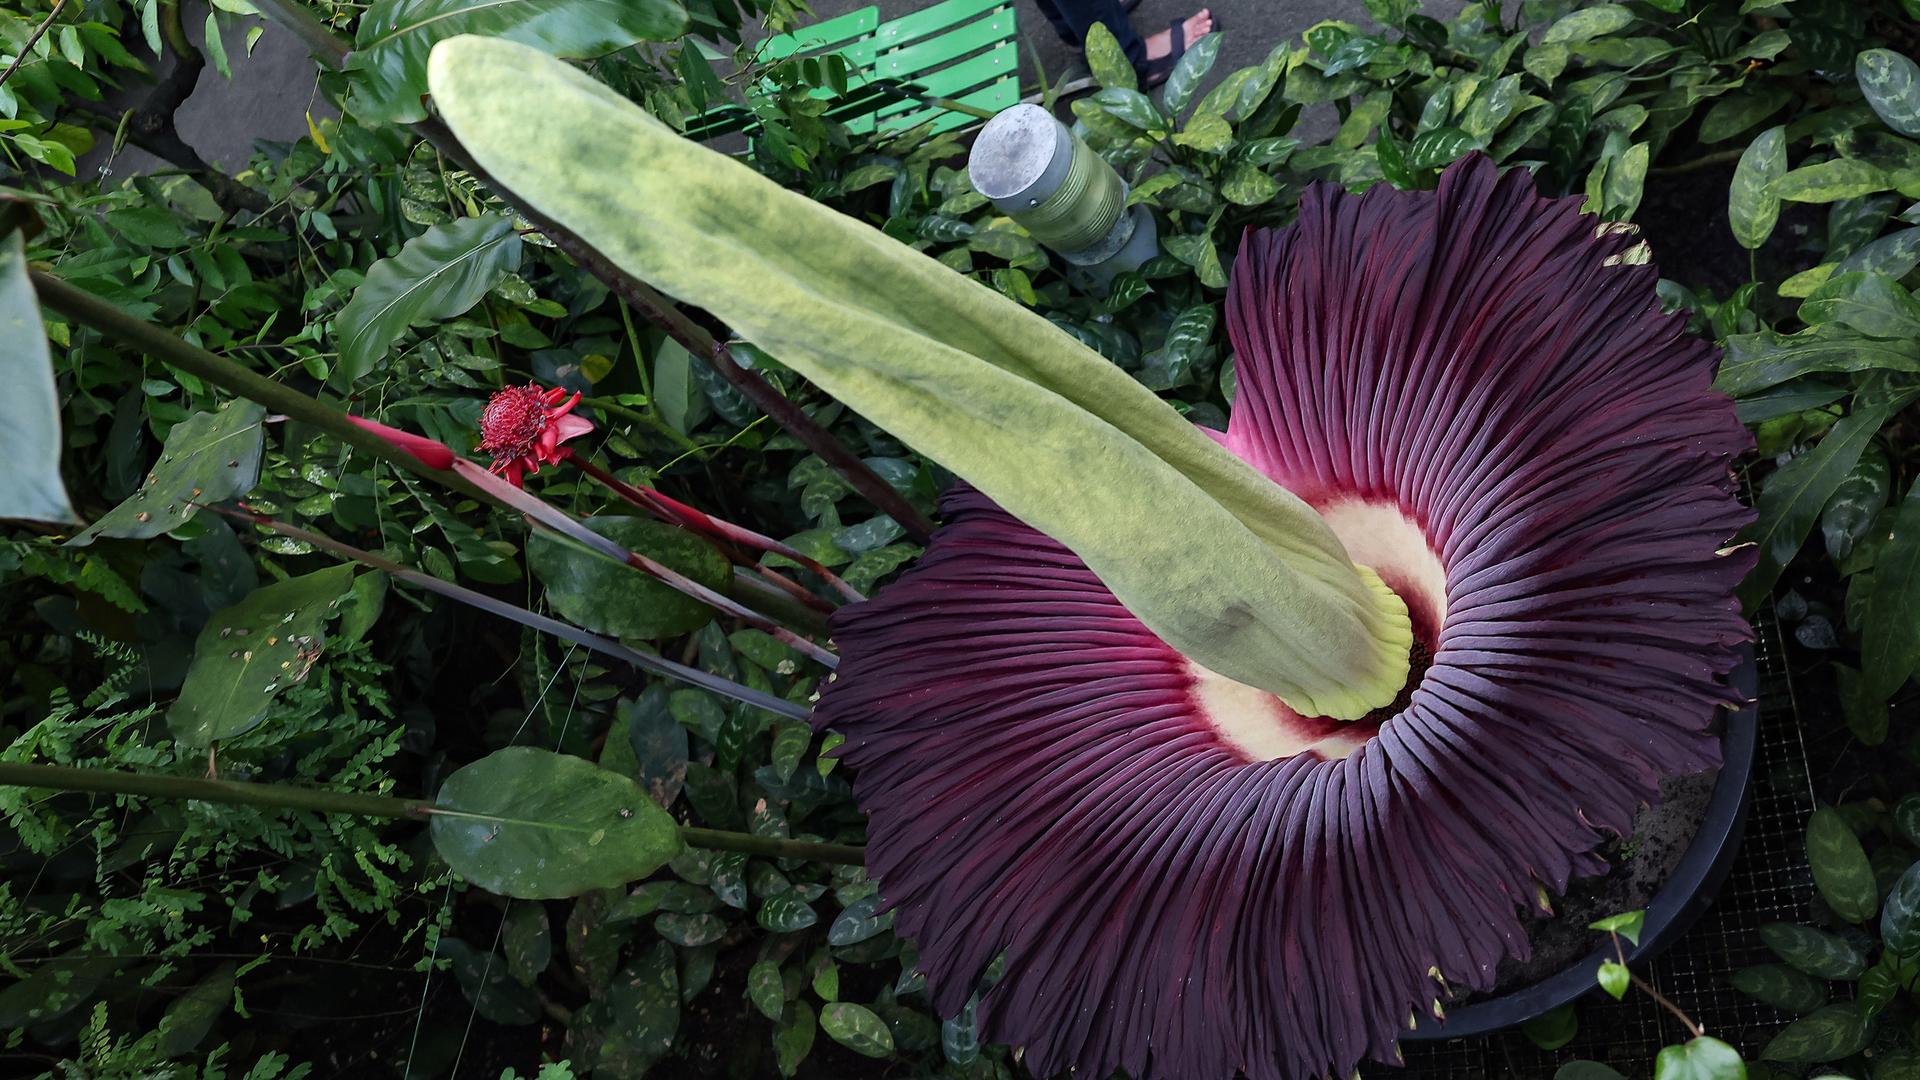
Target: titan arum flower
[[1239, 752]]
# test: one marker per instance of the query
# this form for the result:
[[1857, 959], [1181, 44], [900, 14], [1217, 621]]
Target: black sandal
[[1154, 72]]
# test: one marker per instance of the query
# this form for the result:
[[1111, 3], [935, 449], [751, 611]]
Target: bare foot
[[1198, 25]]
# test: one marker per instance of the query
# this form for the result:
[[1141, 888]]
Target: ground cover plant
[[378, 268]]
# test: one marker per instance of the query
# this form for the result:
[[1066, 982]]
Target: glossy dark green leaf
[[484, 980], [786, 913], [192, 1015], [30, 442], [1781, 987], [1900, 915], [441, 273], [960, 1035], [1108, 61], [528, 941], [1588, 23], [1130, 107], [658, 741], [150, 226], [1614, 978], [1817, 952], [643, 1013], [389, 59], [856, 1028], [249, 653], [1759, 360], [690, 931], [793, 1035], [1906, 818], [1752, 206], [1875, 991], [1870, 304], [1245, 184], [1891, 84], [1188, 72], [1828, 1033], [1552, 1029], [1791, 501], [1840, 867], [766, 989], [612, 598], [1737, 112], [1628, 924], [858, 922], [1701, 1058], [533, 824], [209, 457]]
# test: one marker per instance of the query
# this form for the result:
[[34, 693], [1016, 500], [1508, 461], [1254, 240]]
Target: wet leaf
[[249, 653], [619, 600], [441, 273], [1840, 867], [533, 824], [856, 1028], [30, 440], [209, 457]]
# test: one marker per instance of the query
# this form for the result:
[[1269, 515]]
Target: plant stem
[[84, 307], [654, 423], [717, 840], [322, 801], [331, 51], [32, 40], [1620, 952]]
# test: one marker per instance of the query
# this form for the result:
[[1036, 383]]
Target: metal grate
[[1768, 883]]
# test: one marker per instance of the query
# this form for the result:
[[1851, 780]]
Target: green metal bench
[[964, 51]]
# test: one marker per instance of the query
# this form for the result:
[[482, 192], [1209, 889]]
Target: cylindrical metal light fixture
[[1039, 174]]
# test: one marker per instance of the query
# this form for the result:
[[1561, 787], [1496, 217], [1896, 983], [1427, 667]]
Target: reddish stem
[[675, 512]]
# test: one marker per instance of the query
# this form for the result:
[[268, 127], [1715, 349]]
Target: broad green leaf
[[149, 226], [1628, 924], [1188, 72], [439, 274], [786, 912], [1816, 952], [1872, 304], [766, 989], [1828, 1033], [1840, 867], [536, 825], [1253, 586], [1552, 1029], [1895, 255], [857, 1028], [1891, 83], [1701, 1058], [793, 1036], [1735, 113], [1131, 107], [1626, 177], [659, 743], [389, 58], [192, 1015], [1876, 991], [209, 457], [1440, 147], [859, 923], [30, 442], [1614, 978], [1108, 60], [1588, 23], [1760, 360], [643, 1013], [1781, 987], [1207, 133], [682, 405], [1830, 181], [1900, 914], [612, 598], [1791, 501], [250, 652], [1906, 818], [527, 941], [483, 978], [1247, 185], [1889, 633]]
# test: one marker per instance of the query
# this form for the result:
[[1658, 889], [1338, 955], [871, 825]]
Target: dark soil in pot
[[1641, 864]]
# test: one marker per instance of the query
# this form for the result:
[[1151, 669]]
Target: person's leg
[[1060, 24], [1073, 17]]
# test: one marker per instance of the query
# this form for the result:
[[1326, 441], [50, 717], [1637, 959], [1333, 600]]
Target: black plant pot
[[1682, 900]]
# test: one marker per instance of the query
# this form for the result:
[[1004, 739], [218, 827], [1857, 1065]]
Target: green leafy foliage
[[612, 598], [534, 824], [440, 273], [208, 458], [30, 442]]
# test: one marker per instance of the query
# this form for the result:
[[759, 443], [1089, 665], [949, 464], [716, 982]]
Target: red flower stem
[[546, 514], [644, 661], [679, 513]]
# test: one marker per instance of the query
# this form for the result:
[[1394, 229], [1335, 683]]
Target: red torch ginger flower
[[1477, 390], [523, 427]]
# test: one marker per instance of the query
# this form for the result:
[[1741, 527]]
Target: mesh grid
[[1768, 883]]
